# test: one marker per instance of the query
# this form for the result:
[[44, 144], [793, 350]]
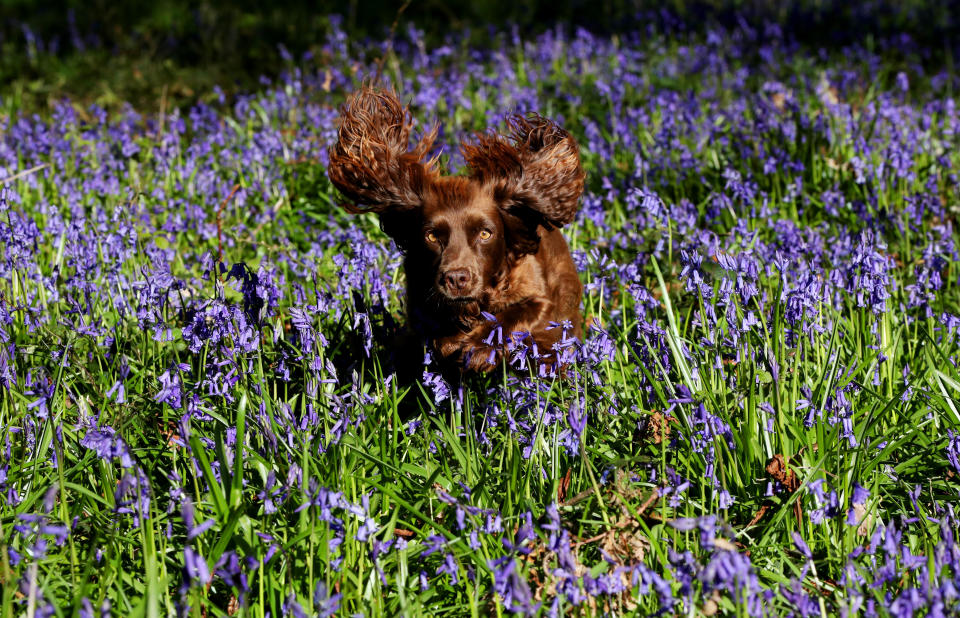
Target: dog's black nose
[[457, 279]]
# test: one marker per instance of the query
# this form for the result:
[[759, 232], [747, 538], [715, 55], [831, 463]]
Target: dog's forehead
[[458, 196]]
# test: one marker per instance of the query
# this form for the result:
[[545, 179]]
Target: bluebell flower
[[196, 571]]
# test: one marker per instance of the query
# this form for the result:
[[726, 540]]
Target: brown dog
[[486, 243]]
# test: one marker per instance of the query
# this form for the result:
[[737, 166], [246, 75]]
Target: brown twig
[[577, 498], [301, 159], [778, 468], [393, 31], [563, 486], [163, 110], [223, 205], [649, 501], [32, 170], [592, 539], [626, 522]]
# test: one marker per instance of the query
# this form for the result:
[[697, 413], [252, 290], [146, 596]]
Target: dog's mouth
[[456, 297]]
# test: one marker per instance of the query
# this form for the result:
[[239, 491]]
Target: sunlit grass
[[765, 361]]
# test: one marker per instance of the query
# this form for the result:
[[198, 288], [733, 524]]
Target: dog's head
[[470, 228]]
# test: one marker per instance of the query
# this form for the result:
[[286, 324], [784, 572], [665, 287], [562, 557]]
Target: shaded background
[[109, 52]]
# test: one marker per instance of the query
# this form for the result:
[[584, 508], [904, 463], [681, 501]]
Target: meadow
[[198, 414]]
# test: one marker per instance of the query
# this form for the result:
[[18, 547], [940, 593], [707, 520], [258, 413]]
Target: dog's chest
[[524, 281]]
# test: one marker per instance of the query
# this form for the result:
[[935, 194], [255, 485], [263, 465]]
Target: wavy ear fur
[[552, 179], [536, 174], [372, 163]]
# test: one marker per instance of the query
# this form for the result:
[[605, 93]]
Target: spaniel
[[485, 262]]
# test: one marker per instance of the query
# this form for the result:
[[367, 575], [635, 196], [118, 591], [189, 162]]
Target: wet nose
[[457, 279]]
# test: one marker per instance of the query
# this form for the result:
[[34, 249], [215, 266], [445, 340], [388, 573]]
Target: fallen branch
[[36, 168]]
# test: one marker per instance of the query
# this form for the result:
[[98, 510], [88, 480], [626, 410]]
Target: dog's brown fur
[[487, 242]]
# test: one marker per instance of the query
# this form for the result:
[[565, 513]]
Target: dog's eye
[[486, 234], [431, 237]]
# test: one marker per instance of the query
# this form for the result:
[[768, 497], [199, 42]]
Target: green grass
[[289, 444]]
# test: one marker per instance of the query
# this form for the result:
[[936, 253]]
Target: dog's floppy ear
[[536, 175], [552, 178], [372, 163]]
